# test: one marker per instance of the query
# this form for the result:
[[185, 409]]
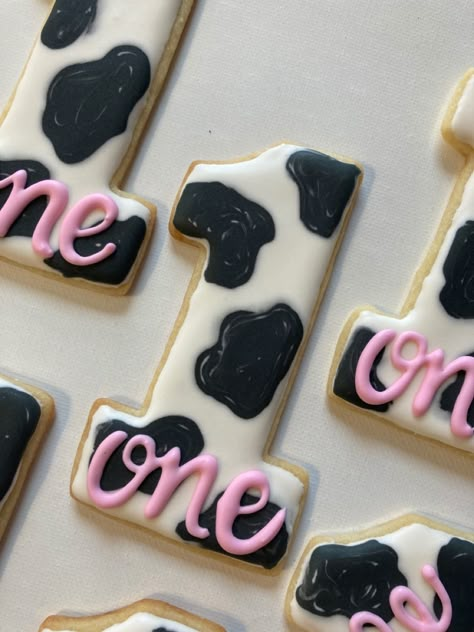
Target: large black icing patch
[[234, 226], [251, 357], [456, 572], [344, 580], [326, 186], [167, 432], [19, 416], [26, 223], [344, 382], [127, 235], [68, 20], [457, 295], [451, 393], [244, 527], [89, 103]]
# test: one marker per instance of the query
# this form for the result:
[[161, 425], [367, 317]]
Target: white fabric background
[[368, 79]]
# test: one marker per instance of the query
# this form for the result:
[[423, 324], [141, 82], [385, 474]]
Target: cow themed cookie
[[193, 464], [69, 135], [25, 415], [144, 616], [410, 574], [418, 371]]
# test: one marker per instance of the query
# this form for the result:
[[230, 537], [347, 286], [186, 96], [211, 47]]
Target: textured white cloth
[[367, 79]]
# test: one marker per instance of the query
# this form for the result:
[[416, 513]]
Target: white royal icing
[[142, 23], [429, 318], [141, 622], [415, 545], [291, 269]]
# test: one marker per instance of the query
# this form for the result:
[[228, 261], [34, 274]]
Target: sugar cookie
[[69, 135], [418, 371], [25, 415], [345, 582], [144, 616], [268, 228]]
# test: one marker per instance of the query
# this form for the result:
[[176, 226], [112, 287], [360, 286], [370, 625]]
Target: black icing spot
[[326, 186], [162, 629], [235, 227], [19, 416], [451, 393], [243, 528], [251, 357], [456, 572], [88, 104], [167, 432], [25, 225], [68, 20], [457, 295], [344, 382], [128, 236], [345, 580]]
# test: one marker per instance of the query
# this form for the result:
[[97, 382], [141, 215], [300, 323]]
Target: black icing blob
[[326, 186], [345, 580], [89, 103], [162, 629], [244, 527], [451, 393], [235, 227], [19, 417], [457, 295], [344, 382], [251, 357], [456, 572], [127, 235], [25, 225], [68, 20], [167, 432]]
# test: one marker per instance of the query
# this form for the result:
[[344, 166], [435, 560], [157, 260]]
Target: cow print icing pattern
[[89, 103], [81, 103], [69, 19], [234, 226], [252, 356], [324, 197], [19, 416], [338, 583], [230, 362], [438, 324], [349, 579]]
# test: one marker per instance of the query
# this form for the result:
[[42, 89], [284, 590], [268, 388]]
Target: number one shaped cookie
[[69, 135], [410, 574], [418, 371], [189, 464], [144, 616]]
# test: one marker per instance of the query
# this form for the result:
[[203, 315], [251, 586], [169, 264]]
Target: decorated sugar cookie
[[418, 371], [69, 135], [193, 463], [25, 415], [410, 574], [144, 616]]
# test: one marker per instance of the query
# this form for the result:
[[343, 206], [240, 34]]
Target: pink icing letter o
[[71, 228], [229, 507]]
